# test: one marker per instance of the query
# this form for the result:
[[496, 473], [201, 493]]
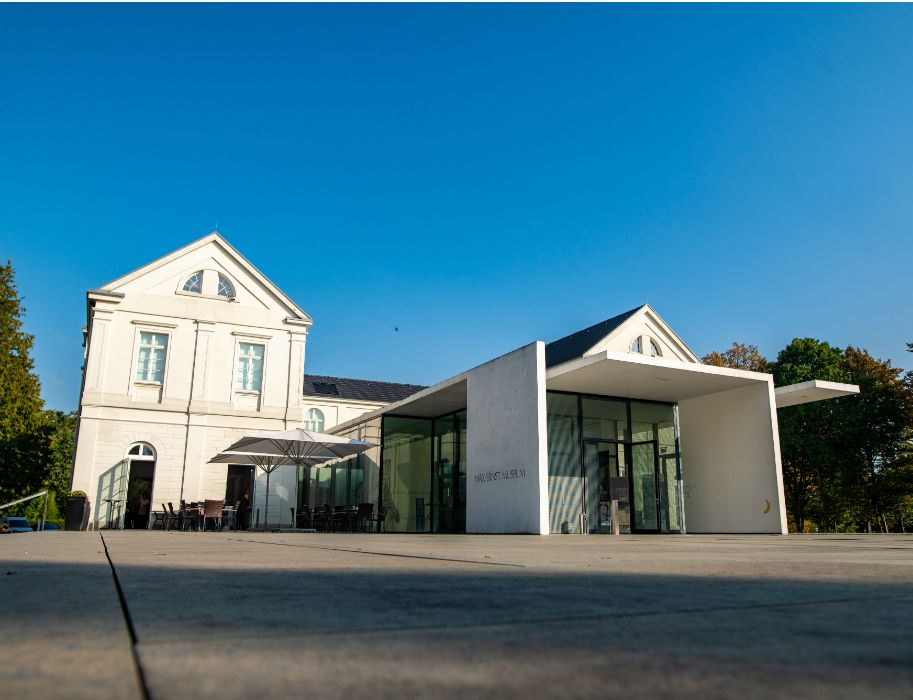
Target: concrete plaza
[[239, 615]]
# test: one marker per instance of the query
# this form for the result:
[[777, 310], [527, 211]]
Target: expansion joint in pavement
[[141, 677], [383, 554]]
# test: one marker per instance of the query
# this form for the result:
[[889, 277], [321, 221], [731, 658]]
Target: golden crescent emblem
[[767, 507]]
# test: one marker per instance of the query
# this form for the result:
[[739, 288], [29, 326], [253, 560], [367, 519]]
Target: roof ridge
[[572, 345]]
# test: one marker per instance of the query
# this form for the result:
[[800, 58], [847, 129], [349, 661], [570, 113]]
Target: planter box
[[77, 517]]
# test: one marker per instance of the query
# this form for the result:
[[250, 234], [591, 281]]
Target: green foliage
[[847, 462], [808, 432], [36, 446], [739, 356]]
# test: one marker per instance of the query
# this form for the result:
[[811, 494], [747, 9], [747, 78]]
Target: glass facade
[[612, 458], [418, 471], [407, 473], [449, 475], [344, 482], [613, 465]]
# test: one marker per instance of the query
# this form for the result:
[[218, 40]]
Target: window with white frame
[[150, 365], [635, 345], [314, 420], [194, 283], [226, 288], [654, 349], [141, 451], [250, 367]]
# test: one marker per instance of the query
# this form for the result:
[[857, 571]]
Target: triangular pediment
[[645, 332], [216, 261]]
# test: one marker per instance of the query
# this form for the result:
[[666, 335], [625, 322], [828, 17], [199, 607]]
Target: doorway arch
[[140, 458]]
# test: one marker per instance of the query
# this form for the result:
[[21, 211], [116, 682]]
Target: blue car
[[17, 524]]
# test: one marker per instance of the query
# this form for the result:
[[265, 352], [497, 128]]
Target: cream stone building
[[182, 357]]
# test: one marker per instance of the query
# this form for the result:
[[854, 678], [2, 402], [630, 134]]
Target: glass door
[[645, 500], [606, 480]]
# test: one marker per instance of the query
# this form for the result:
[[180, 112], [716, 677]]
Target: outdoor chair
[[212, 513], [190, 515], [339, 518], [363, 516], [304, 517], [174, 519], [159, 517], [321, 518], [381, 518]]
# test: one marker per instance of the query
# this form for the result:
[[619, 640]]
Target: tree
[[739, 356], [21, 414], [808, 433], [875, 431]]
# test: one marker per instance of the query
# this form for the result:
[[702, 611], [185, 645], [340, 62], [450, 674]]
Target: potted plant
[[77, 517]]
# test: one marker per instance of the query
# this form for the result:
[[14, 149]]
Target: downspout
[[193, 379]]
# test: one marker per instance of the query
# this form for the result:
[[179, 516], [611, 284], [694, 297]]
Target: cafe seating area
[[216, 515], [360, 518], [209, 515]]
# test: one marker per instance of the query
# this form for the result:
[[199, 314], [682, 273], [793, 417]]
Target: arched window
[[142, 452], [654, 349], [194, 283], [314, 420], [226, 288], [635, 345]]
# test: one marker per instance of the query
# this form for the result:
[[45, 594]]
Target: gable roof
[[214, 237], [572, 346], [357, 389]]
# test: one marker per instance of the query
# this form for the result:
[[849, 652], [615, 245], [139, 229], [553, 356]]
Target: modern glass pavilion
[[617, 428]]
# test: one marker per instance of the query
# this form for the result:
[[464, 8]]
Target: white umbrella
[[297, 446]]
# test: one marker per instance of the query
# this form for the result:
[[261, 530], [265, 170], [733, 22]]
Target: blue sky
[[475, 176]]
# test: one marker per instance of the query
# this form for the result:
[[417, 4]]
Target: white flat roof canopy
[[638, 377], [814, 390]]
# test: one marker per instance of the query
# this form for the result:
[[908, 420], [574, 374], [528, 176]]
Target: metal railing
[[44, 509]]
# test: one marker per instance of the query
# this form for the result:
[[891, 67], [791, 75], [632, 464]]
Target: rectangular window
[[250, 367], [150, 366]]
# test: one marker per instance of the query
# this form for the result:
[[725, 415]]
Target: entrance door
[[449, 477], [626, 473], [644, 489], [140, 474], [605, 480], [238, 489]]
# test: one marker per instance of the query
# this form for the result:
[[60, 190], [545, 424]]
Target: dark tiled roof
[[357, 389], [572, 346]]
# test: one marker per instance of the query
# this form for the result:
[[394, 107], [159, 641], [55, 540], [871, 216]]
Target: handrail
[[29, 498], [22, 500]]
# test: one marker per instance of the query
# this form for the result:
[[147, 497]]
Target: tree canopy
[[36, 445], [739, 356]]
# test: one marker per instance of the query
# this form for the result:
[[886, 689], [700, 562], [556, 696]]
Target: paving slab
[[234, 614], [64, 633]]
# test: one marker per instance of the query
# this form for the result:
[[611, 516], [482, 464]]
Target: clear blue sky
[[477, 176]]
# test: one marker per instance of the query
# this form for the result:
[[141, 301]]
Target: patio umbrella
[[299, 444], [299, 447]]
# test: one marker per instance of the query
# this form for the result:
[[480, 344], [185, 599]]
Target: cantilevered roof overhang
[[814, 390], [639, 377]]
